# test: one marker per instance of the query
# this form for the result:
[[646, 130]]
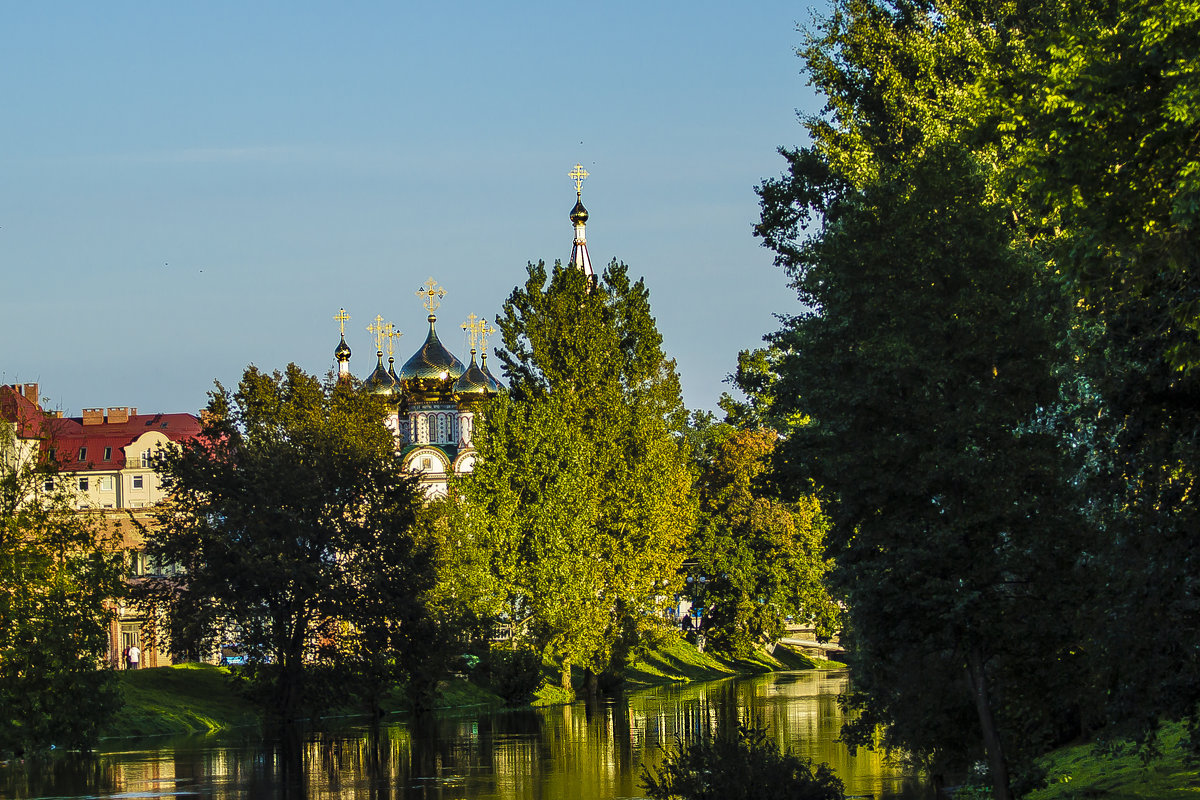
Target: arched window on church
[[441, 428]]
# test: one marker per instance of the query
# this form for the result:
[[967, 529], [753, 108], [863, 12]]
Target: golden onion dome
[[473, 383], [494, 385], [379, 381], [432, 361]]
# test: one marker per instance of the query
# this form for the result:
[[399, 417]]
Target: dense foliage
[[762, 558], [59, 569], [739, 765], [993, 237], [579, 504], [293, 531]]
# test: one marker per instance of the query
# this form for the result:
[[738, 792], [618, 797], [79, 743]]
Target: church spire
[[579, 217]]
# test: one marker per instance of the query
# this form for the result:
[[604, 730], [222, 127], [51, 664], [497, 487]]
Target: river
[[576, 751]]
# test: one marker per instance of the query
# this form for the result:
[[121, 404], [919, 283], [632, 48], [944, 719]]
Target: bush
[[745, 766], [514, 674]]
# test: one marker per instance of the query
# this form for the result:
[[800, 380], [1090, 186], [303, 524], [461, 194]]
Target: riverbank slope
[[1080, 771], [201, 698]]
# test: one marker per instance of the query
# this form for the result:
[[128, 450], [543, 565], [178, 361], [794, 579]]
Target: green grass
[[187, 698], [201, 698], [680, 662], [1079, 772]]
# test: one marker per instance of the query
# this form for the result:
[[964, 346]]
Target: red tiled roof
[[69, 435]]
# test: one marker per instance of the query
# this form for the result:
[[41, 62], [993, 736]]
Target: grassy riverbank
[[201, 698], [1080, 772], [188, 698], [679, 662]]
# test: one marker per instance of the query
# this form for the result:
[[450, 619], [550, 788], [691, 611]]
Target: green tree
[[763, 558], [292, 527], [1080, 120], [580, 500], [1104, 114], [58, 572], [922, 368]]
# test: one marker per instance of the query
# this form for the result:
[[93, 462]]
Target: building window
[[83, 484], [108, 454], [441, 427], [106, 483], [137, 481], [48, 485], [137, 563], [82, 453]]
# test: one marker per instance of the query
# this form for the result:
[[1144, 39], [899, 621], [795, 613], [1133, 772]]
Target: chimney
[[30, 392], [118, 415], [93, 416]]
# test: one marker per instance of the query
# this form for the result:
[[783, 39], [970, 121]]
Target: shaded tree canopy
[[975, 163], [292, 527]]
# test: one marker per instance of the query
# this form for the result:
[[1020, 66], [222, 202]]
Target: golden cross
[[342, 318], [471, 326], [432, 295], [578, 174], [391, 333], [377, 329], [485, 330]]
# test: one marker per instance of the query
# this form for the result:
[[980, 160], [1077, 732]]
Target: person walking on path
[[134, 656]]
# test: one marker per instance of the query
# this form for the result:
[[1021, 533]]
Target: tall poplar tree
[[580, 496]]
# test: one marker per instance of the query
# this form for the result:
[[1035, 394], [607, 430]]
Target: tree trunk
[[997, 764], [591, 684], [566, 674]]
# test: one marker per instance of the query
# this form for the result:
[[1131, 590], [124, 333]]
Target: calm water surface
[[572, 752]]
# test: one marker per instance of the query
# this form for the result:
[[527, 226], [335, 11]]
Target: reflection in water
[[588, 752]]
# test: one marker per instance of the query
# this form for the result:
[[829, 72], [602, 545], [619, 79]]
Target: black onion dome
[[433, 360], [342, 353], [392, 370], [579, 213], [379, 381]]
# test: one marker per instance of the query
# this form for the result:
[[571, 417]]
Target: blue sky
[[189, 188]]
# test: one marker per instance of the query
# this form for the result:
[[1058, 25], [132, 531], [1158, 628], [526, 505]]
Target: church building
[[434, 398]]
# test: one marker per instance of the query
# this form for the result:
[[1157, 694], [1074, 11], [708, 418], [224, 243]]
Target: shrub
[[514, 674], [745, 766]]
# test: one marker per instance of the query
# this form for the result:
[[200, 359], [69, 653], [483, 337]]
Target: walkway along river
[[559, 752]]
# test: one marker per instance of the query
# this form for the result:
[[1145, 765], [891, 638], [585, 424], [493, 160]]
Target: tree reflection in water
[[589, 752]]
